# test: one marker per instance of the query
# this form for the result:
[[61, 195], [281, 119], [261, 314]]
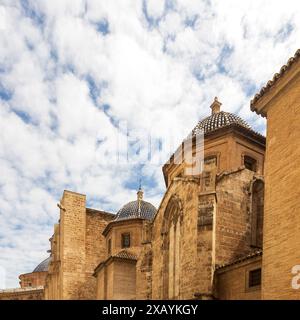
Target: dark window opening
[[125, 240], [109, 246], [257, 214], [250, 163], [254, 278]]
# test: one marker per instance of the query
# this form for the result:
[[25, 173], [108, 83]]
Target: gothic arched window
[[257, 213], [171, 232]]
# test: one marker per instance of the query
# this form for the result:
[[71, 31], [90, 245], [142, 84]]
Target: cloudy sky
[[80, 80]]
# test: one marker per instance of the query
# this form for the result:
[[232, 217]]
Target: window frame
[[209, 156], [248, 272], [253, 160], [123, 235]]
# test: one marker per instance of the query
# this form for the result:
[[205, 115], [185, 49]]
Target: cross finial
[[215, 106]]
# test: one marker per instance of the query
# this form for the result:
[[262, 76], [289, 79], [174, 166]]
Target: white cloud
[[155, 8]]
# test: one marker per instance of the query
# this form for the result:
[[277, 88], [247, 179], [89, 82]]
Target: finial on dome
[[140, 192], [215, 106]]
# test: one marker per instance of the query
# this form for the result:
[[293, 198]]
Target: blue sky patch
[[102, 26], [37, 17]]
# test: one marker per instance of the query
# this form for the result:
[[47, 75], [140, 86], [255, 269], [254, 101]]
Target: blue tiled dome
[[217, 121], [137, 209], [43, 266]]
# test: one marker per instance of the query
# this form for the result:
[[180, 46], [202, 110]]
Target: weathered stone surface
[[281, 243]]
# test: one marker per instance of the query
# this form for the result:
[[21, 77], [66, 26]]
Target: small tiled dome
[[218, 119], [137, 209], [43, 266]]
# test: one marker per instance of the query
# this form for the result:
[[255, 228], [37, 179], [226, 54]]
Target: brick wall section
[[231, 282], [95, 249], [73, 234], [77, 247], [21, 294], [233, 225], [124, 283], [195, 275], [144, 271], [282, 206], [137, 273], [53, 279], [34, 279]]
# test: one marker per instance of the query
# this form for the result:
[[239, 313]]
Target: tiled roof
[[43, 266], [124, 254], [136, 209], [276, 76], [96, 211], [239, 260], [217, 121]]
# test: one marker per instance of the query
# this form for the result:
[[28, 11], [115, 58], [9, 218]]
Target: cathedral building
[[206, 231], [228, 231]]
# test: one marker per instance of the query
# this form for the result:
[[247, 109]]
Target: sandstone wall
[[77, 247], [282, 208], [232, 281], [34, 279], [22, 294], [195, 271], [233, 217]]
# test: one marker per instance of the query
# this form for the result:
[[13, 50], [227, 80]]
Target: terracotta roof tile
[[124, 254], [276, 76], [239, 260]]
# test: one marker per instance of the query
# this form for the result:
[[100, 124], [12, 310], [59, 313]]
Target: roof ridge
[[275, 78], [125, 254], [241, 259]]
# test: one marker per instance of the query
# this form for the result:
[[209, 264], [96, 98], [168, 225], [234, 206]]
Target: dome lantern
[[218, 119], [215, 106]]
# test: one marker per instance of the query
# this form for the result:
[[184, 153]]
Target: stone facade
[[214, 212], [22, 294], [230, 231], [279, 101], [76, 248], [232, 280], [34, 279], [205, 219]]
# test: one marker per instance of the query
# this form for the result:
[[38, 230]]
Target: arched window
[[171, 232], [257, 213]]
